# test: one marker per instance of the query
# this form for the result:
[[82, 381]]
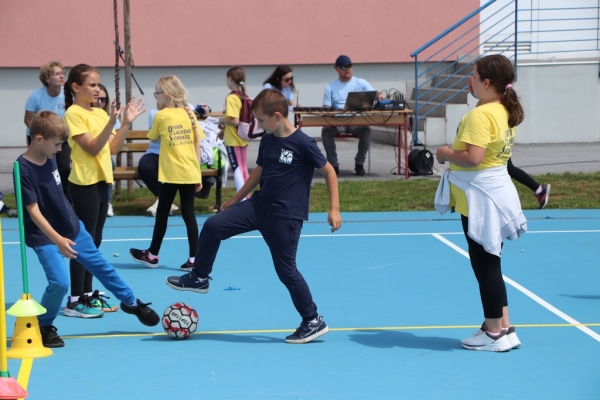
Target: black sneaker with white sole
[[189, 282], [145, 314], [187, 266], [308, 331], [141, 256]]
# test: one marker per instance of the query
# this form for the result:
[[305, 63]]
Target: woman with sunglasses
[[103, 103], [282, 79]]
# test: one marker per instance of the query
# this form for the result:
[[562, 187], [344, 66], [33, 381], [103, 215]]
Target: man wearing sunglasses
[[335, 97]]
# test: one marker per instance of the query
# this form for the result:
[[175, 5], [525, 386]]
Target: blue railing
[[443, 65]]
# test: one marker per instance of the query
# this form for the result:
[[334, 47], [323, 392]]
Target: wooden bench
[[137, 142]]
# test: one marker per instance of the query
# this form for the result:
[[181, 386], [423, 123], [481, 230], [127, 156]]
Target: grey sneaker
[[308, 331]]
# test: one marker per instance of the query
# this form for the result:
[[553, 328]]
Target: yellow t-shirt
[[178, 162], [87, 169], [487, 127], [233, 109]]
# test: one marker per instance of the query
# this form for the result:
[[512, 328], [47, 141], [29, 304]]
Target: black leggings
[[521, 176], [90, 203], [165, 199], [488, 272]]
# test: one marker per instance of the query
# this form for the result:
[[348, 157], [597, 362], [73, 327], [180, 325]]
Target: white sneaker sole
[[144, 262], [310, 338], [499, 348], [77, 314], [187, 289]]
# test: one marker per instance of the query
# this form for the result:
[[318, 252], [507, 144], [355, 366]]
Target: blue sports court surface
[[396, 289]]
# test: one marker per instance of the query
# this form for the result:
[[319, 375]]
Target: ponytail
[[68, 94], [510, 100]]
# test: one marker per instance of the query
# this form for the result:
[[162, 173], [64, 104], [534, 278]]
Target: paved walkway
[[533, 158]]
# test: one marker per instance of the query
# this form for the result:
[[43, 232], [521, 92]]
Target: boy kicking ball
[[286, 161], [53, 230]]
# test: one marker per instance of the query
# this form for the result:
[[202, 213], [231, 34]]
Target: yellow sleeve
[[76, 123], [233, 106], [153, 133], [477, 129]]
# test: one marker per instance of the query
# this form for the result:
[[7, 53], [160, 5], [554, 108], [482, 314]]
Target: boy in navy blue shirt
[[53, 230], [286, 161]]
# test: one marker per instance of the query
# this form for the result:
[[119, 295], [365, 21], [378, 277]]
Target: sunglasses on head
[[346, 67], [101, 100], [288, 79]]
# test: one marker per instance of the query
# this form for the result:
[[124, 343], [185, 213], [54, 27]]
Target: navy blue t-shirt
[[41, 184], [288, 166]]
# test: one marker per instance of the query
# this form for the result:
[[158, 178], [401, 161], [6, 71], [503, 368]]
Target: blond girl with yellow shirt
[[92, 139], [178, 167]]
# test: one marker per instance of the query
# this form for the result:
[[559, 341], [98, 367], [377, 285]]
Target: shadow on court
[[389, 339]]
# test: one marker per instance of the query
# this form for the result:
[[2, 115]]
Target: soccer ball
[[180, 320]]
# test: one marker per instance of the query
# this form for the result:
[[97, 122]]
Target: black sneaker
[[189, 281], [187, 266], [50, 338], [145, 314], [543, 196], [359, 170], [308, 331], [141, 256]]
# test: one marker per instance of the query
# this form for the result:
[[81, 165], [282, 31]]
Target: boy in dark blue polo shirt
[[286, 161], [53, 230]]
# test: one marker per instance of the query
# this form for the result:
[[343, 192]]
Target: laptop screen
[[360, 100]]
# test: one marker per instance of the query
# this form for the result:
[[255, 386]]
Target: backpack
[[247, 129]]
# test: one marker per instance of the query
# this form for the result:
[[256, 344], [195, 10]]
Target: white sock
[[192, 259], [314, 321], [494, 334], [73, 299], [152, 256], [539, 190]]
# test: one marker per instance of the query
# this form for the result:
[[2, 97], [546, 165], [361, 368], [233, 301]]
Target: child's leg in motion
[[165, 199], [282, 236], [234, 163], [58, 282], [93, 260]]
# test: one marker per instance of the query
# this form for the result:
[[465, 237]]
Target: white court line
[[529, 294], [337, 234]]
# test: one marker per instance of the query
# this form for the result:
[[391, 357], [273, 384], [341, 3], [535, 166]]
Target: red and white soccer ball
[[180, 320]]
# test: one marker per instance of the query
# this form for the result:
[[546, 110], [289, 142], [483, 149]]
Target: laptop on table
[[356, 101]]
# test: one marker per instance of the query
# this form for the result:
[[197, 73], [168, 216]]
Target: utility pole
[[127, 31]]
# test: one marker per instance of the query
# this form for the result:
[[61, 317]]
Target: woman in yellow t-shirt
[[236, 146], [92, 139], [178, 167], [484, 144]]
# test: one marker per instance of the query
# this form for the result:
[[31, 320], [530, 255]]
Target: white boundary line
[[334, 235], [528, 293]]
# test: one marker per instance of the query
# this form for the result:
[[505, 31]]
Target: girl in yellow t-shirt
[[484, 143], [178, 167], [92, 139], [236, 146]]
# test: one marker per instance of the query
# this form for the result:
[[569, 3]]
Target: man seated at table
[[335, 96]]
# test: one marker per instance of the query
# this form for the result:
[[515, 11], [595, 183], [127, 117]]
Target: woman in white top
[[282, 79]]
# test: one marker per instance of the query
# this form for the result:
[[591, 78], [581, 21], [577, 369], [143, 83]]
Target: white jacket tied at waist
[[494, 206]]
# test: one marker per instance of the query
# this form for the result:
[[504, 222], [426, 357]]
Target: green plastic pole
[[19, 197]]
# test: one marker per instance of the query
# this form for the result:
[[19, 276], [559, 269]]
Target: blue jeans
[[58, 276]]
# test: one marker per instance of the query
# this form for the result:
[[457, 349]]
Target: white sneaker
[[152, 208], [513, 338], [110, 212], [173, 209], [483, 341]]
